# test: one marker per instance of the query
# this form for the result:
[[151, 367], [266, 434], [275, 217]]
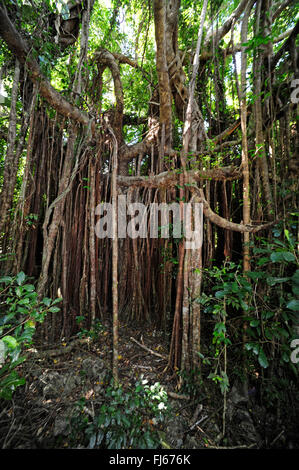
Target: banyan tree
[[163, 101]]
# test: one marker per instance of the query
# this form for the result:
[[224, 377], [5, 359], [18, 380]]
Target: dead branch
[[176, 396], [60, 351], [148, 349], [227, 132], [233, 447]]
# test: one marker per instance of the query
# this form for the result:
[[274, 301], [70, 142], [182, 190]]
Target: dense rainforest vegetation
[[113, 334]]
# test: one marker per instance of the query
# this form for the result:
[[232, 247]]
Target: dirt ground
[[40, 412]]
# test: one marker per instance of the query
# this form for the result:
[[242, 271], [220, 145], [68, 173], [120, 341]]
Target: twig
[[232, 447], [196, 412], [148, 349], [178, 397], [198, 422], [276, 438]]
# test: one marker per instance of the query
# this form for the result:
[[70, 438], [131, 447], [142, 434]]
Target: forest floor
[[41, 413]]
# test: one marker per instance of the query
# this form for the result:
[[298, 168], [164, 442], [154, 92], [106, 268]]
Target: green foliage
[[273, 322], [20, 311], [267, 299], [191, 382], [127, 419], [93, 333]]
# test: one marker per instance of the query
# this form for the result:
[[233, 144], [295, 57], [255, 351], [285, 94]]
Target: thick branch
[[168, 179], [285, 46], [226, 224], [227, 132], [281, 8], [21, 50], [107, 59], [238, 47], [221, 32], [159, 7]]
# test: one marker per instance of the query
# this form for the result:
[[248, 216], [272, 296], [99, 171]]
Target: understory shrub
[[128, 419], [20, 311], [265, 300]]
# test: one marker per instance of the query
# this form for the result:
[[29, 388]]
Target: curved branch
[[21, 50], [281, 8], [285, 46], [238, 47], [227, 224], [104, 57], [221, 32]]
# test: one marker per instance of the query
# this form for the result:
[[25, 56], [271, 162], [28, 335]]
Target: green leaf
[[220, 327], [244, 305], [46, 301], [278, 256], [295, 290], [20, 278], [27, 334], [267, 315], [10, 341], [220, 294], [261, 262], [92, 441], [54, 309], [295, 277], [100, 437], [29, 288], [256, 275], [293, 305], [263, 359], [253, 347], [6, 279], [283, 332], [271, 281], [288, 256]]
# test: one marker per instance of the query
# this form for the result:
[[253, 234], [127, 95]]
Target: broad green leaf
[[295, 290], [92, 441], [278, 256], [220, 294], [295, 277], [6, 279], [20, 278], [271, 281], [288, 256], [293, 305], [263, 359], [54, 309], [27, 334], [29, 288], [255, 274], [46, 301], [10, 341]]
